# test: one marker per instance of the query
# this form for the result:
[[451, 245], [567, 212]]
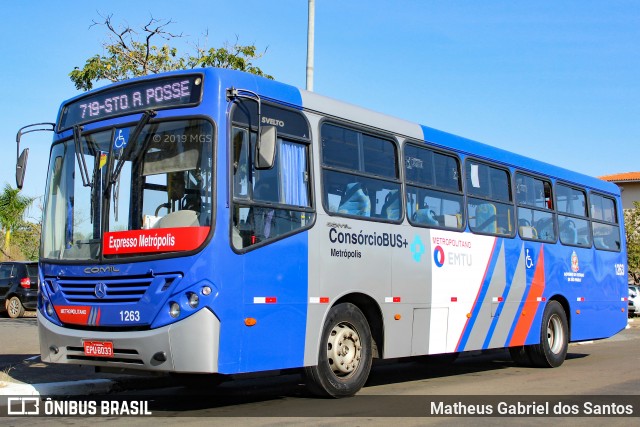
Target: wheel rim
[[344, 350], [555, 334], [14, 307]]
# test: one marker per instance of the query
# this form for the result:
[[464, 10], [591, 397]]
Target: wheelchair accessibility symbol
[[528, 260], [121, 138]]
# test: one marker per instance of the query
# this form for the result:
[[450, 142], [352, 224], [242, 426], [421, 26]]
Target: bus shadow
[[432, 367], [283, 395]]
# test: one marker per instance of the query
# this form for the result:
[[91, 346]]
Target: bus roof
[[305, 100]]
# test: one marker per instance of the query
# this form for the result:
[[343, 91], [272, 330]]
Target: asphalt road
[[610, 367]]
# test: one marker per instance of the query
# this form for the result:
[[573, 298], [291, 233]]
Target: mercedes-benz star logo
[[100, 290]]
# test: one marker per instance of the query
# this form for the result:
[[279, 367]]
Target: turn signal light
[[250, 321]]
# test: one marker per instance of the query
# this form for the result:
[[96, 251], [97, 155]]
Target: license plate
[[98, 348]]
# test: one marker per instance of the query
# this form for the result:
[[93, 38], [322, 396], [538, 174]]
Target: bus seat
[[391, 206], [355, 201], [426, 216], [545, 229], [262, 222], [486, 219], [262, 219], [528, 232], [568, 232], [236, 237], [185, 218], [600, 243], [612, 241]]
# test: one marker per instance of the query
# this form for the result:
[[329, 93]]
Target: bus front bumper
[[189, 346]]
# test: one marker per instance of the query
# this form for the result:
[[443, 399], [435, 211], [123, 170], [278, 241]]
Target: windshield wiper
[[82, 163], [146, 116]]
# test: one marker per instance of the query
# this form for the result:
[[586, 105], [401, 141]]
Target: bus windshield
[[160, 201]]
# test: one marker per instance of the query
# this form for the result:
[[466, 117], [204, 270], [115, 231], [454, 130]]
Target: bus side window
[[360, 174], [604, 223], [434, 188], [573, 223], [489, 204], [273, 202], [536, 220]]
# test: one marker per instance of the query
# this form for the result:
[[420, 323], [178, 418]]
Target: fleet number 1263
[[129, 316]]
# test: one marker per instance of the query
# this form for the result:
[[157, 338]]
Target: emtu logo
[[438, 256]]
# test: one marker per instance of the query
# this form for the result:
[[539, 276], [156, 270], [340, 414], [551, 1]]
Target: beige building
[[629, 183]]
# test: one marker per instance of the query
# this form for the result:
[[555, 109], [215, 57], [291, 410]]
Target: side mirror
[[21, 168], [21, 161], [266, 147]]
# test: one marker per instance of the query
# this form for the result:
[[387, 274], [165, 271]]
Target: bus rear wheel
[[345, 355], [554, 338]]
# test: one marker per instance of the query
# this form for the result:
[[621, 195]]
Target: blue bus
[[215, 222]]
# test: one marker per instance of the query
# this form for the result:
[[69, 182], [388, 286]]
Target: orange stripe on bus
[[531, 304]]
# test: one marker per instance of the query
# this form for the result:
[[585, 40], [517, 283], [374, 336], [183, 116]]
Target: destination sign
[[170, 92]]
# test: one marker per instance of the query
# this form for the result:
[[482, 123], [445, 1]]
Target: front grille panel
[[115, 290]]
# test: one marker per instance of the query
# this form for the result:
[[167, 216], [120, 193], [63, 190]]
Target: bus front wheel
[[344, 358], [554, 338]]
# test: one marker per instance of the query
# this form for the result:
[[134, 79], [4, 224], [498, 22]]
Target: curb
[[71, 388]]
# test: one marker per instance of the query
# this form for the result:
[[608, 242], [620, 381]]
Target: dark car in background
[[18, 287]]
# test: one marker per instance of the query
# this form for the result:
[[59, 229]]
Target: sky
[[556, 81]]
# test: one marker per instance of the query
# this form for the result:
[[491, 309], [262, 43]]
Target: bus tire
[[345, 354], [554, 338]]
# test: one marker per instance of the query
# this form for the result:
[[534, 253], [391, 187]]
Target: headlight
[[174, 309], [49, 307], [194, 300]]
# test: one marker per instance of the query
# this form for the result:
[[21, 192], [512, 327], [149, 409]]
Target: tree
[[13, 206], [632, 231], [130, 53], [26, 240]]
